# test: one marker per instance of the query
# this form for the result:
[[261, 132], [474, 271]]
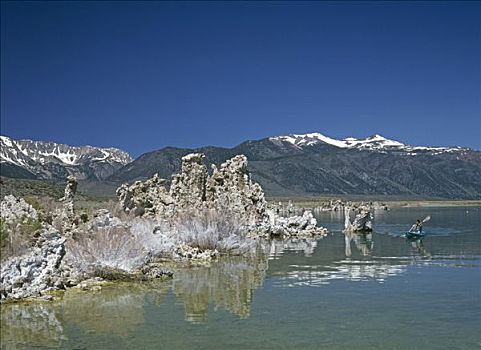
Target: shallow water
[[374, 291]]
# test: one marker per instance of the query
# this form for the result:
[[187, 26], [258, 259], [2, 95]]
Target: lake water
[[374, 291]]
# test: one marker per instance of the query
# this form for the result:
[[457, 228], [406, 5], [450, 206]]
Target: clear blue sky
[[144, 75]]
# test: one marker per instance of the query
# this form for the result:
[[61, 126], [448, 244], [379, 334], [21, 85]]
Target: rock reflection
[[277, 248], [363, 242], [228, 283], [351, 270], [116, 309], [25, 324], [332, 267]]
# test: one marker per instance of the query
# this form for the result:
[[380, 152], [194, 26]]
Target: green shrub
[[17, 237], [3, 232], [29, 226], [34, 202]]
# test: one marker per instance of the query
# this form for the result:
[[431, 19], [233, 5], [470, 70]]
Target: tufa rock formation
[[362, 221], [231, 187], [36, 271], [302, 226], [147, 198], [13, 210], [188, 189], [69, 194], [228, 190]]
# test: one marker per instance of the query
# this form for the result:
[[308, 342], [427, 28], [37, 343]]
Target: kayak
[[414, 235]]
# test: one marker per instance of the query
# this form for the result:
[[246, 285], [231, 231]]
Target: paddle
[[411, 230]]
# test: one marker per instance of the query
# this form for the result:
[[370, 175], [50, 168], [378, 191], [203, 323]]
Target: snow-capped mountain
[[49, 160], [376, 143], [291, 165], [312, 164]]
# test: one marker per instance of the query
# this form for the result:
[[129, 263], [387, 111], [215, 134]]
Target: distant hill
[[28, 187]]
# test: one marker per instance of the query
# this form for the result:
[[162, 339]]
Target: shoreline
[[434, 203], [394, 203]]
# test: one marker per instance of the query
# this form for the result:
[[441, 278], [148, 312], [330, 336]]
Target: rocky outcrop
[[188, 189], [67, 199], [36, 271], [229, 190], [15, 210], [148, 198], [362, 221], [183, 252], [103, 218], [304, 225], [198, 219], [231, 187]]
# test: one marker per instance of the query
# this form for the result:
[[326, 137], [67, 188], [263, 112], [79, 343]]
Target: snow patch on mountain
[[42, 157], [376, 143]]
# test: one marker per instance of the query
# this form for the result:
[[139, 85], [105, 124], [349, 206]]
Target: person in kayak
[[417, 227]]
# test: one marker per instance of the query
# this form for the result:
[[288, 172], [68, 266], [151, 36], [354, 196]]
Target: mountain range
[[51, 161], [290, 165]]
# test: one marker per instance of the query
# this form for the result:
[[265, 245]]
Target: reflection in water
[[229, 283], [352, 270], [35, 323], [277, 247], [417, 248], [122, 315], [119, 309], [116, 309], [336, 268], [363, 242]]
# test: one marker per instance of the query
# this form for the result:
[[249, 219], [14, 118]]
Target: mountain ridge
[[374, 142], [283, 166], [315, 164], [50, 160]]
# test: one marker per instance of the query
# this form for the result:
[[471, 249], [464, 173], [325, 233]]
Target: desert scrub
[[155, 238], [18, 236], [215, 230], [34, 202], [106, 248], [3, 232], [45, 207], [117, 211], [30, 226]]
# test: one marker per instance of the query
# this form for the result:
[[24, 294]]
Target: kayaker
[[417, 227]]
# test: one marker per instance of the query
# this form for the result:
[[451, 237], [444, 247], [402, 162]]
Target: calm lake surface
[[341, 292]]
